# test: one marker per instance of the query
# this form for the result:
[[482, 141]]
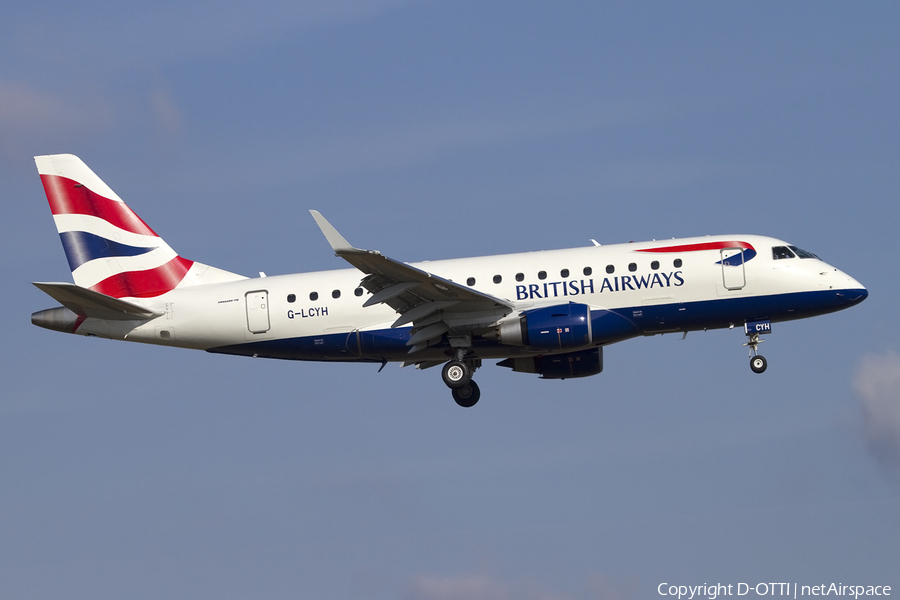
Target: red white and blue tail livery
[[549, 313], [109, 248]]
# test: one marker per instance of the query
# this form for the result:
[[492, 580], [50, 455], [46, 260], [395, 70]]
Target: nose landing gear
[[758, 362]]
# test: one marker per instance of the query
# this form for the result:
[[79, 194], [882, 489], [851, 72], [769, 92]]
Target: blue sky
[[433, 130]]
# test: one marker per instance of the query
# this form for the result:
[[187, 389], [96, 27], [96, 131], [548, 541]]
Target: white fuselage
[[649, 288]]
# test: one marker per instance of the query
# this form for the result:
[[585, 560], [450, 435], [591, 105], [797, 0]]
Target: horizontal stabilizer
[[88, 303]]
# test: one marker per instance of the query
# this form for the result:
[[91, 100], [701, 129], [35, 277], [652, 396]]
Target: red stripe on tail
[[68, 197], [145, 284]]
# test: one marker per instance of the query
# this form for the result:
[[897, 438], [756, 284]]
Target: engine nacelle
[[559, 366], [551, 328]]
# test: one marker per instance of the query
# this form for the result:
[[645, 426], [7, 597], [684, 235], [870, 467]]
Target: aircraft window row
[[588, 271], [564, 273], [313, 296]]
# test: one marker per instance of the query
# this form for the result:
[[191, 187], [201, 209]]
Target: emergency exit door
[[257, 311]]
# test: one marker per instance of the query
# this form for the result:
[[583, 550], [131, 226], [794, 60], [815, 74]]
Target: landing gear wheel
[[456, 374], [758, 364], [467, 395]]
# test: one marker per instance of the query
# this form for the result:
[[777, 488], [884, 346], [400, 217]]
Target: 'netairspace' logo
[[771, 589]]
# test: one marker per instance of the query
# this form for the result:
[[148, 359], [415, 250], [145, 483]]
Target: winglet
[[337, 241]]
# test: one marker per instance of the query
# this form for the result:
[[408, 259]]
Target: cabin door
[[733, 275], [257, 311]]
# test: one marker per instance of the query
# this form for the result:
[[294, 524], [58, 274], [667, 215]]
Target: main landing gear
[[457, 374]]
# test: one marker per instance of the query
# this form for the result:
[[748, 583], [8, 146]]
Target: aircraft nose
[[855, 292]]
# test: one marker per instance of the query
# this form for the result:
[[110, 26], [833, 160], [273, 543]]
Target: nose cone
[[853, 291], [858, 295]]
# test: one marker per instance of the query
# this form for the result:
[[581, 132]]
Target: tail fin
[[109, 248]]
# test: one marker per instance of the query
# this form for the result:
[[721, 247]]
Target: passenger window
[[314, 296], [564, 273], [779, 252], [470, 281], [336, 294], [677, 263], [542, 274], [588, 271], [292, 298], [497, 279], [610, 269], [654, 265], [632, 267], [358, 291], [520, 276]]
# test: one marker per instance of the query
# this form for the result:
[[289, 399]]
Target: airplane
[[549, 313]]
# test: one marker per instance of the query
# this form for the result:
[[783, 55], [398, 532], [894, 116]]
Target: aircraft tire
[[456, 374], [758, 364], [467, 396]]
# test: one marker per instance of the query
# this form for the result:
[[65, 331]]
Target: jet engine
[[560, 327]]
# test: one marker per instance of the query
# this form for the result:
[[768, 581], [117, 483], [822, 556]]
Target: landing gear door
[[257, 311], [733, 276]]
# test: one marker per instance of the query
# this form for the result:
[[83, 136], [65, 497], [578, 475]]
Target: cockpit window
[[779, 252], [802, 253]]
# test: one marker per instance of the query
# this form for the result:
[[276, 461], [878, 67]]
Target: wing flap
[[421, 312], [390, 292]]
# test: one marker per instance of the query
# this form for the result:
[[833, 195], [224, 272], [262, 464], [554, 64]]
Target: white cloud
[[29, 116], [103, 37], [25, 111], [602, 587], [463, 587], [22, 105], [485, 587], [421, 138], [649, 175], [166, 112], [877, 385]]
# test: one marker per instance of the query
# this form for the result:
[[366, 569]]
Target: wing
[[434, 305]]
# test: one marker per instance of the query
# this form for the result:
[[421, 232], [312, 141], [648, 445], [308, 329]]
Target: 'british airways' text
[[575, 287]]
